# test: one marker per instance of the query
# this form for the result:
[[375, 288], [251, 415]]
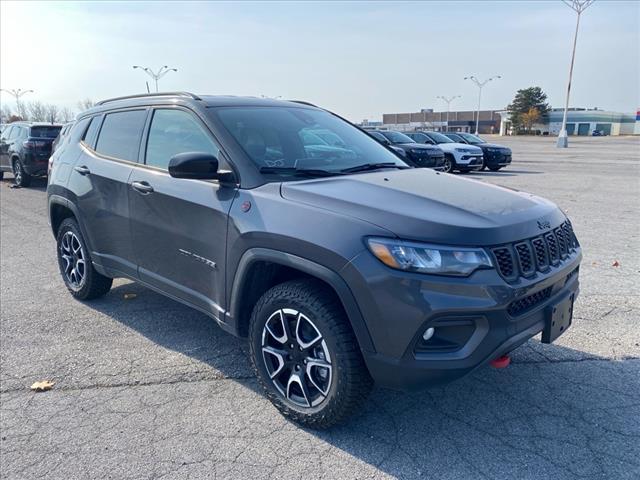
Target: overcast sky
[[358, 59]]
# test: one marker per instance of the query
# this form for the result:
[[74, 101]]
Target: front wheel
[[447, 166], [495, 169], [21, 178], [305, 354], [80, 278]]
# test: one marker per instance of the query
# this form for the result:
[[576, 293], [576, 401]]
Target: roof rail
[[145, 95], [302, 102]]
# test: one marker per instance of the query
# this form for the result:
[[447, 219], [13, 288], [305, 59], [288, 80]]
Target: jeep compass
[[338, 263]]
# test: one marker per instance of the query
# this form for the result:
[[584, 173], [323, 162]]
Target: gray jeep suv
[[340, 264]]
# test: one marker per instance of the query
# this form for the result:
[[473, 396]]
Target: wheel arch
[[259, 269]]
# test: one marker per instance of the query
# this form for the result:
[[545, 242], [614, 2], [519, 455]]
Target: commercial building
[[580, 121]]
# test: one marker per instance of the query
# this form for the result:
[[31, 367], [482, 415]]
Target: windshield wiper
[[300, 172], [372, 166]]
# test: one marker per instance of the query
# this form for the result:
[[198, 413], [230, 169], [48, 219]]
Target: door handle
[[142, 187], [83, 170]]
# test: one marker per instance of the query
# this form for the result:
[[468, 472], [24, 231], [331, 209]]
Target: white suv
[[457, 156]]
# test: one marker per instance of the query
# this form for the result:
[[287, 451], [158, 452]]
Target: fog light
[[428, 333]]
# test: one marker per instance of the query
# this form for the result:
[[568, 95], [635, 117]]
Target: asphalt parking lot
[[147, 388]]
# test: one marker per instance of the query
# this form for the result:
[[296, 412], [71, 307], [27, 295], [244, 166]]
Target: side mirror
[[194, 165]]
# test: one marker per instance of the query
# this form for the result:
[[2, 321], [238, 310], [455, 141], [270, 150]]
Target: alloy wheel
[[447, 166], [296, 358], [72, 255], [17, 172]]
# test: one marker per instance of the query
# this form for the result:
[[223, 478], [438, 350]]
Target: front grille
[[525, 304], [526, 257]]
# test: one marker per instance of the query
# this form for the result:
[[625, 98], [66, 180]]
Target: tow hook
[[501, 362]]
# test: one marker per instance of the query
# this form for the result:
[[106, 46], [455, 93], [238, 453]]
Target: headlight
[[463, 150], [416, 150], [493, 150], [425, 258]]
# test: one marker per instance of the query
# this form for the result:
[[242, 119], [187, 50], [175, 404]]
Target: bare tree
[[5, 113], [22, 110], [85, 104], [37, 111], [52, 112], [66, 115]]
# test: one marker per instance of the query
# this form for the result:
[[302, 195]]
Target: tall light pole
[[16, 93], [578, 6], [448, 100], [162, 71], [480, 84]]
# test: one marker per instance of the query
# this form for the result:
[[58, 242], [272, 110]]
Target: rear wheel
[[21, 178], [81, 279], [305, 354]]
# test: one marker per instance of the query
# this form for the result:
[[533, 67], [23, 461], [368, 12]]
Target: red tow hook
[[501, 362]]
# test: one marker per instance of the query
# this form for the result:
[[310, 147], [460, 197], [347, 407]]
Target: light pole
[[578, 6], [16, 93], [448, 100], [162, 71], [480, 84]]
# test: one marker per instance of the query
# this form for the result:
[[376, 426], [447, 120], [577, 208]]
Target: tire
[[332, 393], [73, 256], [1, 174], [495, 169], [447, 166], [21, 178]]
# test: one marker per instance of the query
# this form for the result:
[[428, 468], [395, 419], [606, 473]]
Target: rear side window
[[15, 133], [120, 134], [44, 132], [89, 136], [173, 132]]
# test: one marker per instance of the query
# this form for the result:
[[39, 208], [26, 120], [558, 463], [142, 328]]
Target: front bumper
[[469, 162], [476, 315], [497, 159]]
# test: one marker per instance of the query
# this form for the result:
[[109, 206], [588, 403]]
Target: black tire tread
[[354, 389], [97, 285]]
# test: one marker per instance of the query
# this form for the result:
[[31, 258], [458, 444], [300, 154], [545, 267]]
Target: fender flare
[[309, 267], [55, 199]]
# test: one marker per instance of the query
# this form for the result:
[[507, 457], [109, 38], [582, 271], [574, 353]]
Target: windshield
[[438, 137], [285, 140], [397, 137], [472, 139], [44, 132], [455, 137]]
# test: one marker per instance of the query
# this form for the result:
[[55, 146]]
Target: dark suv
[[25, 149], [415, 154], [495, 156], [340, 268]]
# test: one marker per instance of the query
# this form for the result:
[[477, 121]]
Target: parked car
[[495, 156], [415, 154], [340, 271], [598, 133], [458, 156], [25, 149]]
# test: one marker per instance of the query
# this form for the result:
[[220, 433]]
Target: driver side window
[[176, 131]]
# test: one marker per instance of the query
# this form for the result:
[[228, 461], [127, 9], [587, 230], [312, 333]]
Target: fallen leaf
[[129, 296], [616, 263], [42, 386]]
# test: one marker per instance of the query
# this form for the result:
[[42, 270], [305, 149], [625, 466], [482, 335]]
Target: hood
[[448, 147], [492, 145], [421, 204], [421, 146]]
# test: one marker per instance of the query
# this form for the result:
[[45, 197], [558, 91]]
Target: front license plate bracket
[[559, 317]]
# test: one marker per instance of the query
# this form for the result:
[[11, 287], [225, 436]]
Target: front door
[[179, 226]]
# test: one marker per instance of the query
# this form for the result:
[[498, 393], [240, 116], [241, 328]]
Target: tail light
[[30, 144]]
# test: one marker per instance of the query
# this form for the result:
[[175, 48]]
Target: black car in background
[[495, 156], [25, 149], [416, 154]]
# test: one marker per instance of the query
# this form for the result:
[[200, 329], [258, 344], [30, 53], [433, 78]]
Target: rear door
[[110, 149], [178, 225]]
